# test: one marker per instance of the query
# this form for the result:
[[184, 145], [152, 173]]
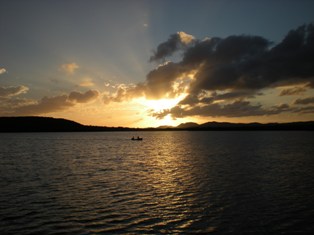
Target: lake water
[[169, 183]]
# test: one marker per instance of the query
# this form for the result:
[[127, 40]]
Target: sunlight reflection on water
[[171, 182]]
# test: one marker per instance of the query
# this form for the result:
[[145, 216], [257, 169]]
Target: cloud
[[125, 92], [305, 101], [222, 76], [292, 91], [206, 98], [6, 92], [69, 68], [45, 105], [17, 106], [83, 97], [175, 42], [87, 82], [304, 110], [235, 109], [240, 67], [248, 62], [162, 82], [2, 71]]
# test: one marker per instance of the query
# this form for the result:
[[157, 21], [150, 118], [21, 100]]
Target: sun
[[161, 104], [158, 106], [166, 121]]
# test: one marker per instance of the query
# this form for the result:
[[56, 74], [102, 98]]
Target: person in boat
[[138, 138]]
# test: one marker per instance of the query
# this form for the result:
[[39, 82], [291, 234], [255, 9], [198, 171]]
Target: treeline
[[48, 124], [219, 126]]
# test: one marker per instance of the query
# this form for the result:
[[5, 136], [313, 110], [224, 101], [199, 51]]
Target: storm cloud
[[227, 76], [251, 62], [175, 42], [240, 67]]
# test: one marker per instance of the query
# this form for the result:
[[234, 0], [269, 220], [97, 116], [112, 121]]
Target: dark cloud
[[6, 92], [293, 91], [17, 106], [192, 99], [305, 101], [205, 98], [239, 67], [160, 83], [45, 105], [8, 105], [220, 75], [175, 42], [83, 97], [236, 94], [276, 109], [304, 110], [247, 62], [237, 108], [224, 63]]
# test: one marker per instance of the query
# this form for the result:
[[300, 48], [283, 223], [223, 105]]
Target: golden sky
[[154, 63]]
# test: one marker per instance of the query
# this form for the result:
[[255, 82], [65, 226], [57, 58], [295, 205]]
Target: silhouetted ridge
[[37, 124], [48, 124], [188, 125], [255, 126]]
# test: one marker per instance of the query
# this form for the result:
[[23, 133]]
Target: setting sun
[[161, 104], [156, 106]]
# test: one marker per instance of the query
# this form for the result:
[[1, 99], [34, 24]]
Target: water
[[169, 183]]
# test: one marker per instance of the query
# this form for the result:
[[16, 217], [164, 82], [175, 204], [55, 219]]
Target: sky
[[147, 63]]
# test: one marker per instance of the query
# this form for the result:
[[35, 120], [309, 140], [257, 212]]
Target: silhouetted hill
[[188, 125], [164, 127], [47, 124], [37, 124], [256, 126]]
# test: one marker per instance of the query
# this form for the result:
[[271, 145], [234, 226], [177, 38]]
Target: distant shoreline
[[48, 124]]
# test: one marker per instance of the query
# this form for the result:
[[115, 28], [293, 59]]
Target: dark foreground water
[[169, 183]]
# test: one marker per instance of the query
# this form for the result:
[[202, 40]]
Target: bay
[[180, 182]]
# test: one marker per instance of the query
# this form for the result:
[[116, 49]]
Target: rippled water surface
[[169, 183]]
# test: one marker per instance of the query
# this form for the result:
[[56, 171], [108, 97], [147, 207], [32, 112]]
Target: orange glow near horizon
[[132, 113]]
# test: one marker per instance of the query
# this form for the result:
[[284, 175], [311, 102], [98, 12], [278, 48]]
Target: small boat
[[138, 138]]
